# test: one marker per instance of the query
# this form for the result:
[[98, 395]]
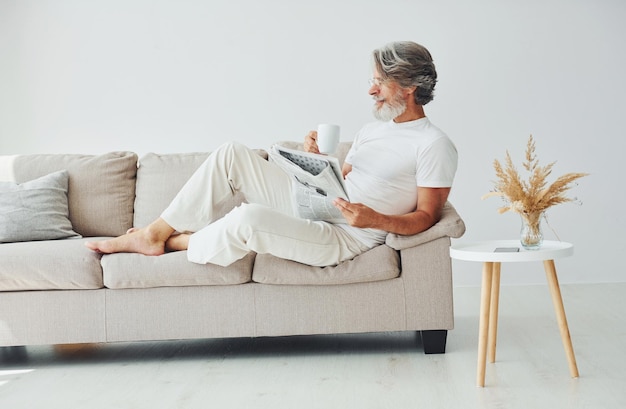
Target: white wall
[[170, 76]]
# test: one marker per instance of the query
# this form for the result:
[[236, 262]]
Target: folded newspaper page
[[317, 181]]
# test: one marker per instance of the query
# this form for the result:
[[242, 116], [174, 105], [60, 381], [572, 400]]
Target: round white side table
[[486, 253]]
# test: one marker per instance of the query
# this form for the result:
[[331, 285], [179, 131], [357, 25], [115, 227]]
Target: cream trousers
[[265, 224]]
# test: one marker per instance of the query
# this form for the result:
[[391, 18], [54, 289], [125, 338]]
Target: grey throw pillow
[[35, 210]]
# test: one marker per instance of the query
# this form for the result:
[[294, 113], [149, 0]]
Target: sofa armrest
[[450, 225]]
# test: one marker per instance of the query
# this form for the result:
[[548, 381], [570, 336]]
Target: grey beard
[[389, 110]]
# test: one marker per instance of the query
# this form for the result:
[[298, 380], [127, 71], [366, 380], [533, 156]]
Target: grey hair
[[410, 65]]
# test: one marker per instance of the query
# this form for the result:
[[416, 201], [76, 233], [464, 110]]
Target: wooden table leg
[[557, 300], [483, 331], [493, 313]]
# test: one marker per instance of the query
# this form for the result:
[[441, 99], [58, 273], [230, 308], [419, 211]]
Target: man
[[398, 175]]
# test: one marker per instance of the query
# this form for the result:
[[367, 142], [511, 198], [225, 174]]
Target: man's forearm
[[359, 215], [406, 224]]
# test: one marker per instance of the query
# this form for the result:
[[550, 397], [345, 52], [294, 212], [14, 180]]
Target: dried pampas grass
[[530, 198]]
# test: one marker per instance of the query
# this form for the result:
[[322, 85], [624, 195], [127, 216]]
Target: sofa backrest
[[112, 192], [101, 188], [161, 176]]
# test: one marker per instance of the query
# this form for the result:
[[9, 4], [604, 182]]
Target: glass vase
[[531, 236]]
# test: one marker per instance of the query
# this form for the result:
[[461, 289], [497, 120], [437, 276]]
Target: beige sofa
[[58, 292]]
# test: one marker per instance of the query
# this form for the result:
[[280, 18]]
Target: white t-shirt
[[389, 161]]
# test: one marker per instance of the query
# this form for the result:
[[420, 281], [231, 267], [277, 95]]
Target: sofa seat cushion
[[49, 265], [127, 270], [377, 264]]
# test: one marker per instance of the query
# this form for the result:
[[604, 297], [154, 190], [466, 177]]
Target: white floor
[[386, 370]]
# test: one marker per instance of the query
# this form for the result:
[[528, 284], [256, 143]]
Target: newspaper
[[317, 181]]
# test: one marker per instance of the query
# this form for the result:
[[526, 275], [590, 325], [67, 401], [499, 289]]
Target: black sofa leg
[[13, 355], [434, 341]]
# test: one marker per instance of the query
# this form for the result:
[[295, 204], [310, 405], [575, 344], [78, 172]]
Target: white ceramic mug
[[327, 138]]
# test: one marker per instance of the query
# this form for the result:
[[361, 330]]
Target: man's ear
[[410, 90]]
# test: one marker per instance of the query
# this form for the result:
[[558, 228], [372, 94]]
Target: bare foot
[[177, 242], [136, 241]]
